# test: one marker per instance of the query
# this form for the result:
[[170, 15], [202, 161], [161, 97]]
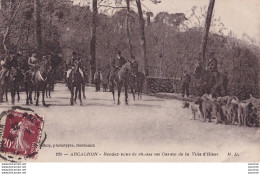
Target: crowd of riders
[[31, 63], [24, 63]]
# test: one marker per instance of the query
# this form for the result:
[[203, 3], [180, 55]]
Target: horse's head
[[133, 68], [77, 65]]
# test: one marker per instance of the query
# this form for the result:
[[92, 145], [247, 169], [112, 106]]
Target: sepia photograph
[[129, 81]]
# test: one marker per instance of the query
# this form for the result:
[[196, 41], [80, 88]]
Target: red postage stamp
[[21, 134]]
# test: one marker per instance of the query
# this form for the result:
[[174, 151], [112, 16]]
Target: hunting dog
[[195, 108], [229, 106], [210, 108], [232, 110], [247, 114]]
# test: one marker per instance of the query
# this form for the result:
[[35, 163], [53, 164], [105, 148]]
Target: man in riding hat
[[120, 61], [71, 65]]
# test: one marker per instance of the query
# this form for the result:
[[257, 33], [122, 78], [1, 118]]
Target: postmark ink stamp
[[21, 136]]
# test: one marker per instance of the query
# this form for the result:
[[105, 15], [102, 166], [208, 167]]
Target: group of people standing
[[212, 67]]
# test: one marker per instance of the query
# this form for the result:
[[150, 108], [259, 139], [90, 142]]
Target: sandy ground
[[153, 129]]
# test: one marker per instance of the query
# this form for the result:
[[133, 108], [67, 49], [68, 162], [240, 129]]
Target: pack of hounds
[[227, 110]]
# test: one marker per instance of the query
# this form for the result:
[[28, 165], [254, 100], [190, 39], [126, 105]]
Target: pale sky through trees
[[240, 16]]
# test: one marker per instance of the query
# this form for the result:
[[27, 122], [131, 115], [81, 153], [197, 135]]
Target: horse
[[10, 82], [210, 82], [75, 81], [18, 80], [121, 78], [37, 82], [136, 84]]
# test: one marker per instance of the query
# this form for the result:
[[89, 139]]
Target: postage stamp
[[21, 134]]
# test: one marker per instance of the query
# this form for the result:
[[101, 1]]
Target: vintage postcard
[[130, 81]]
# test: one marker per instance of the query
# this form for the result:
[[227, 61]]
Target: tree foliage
[[172, 40]]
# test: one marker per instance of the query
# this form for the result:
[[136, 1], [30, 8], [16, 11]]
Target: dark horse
[[12, 83], [121, 78], [75, 81], [37, 82], [210, 82], [136, 84]]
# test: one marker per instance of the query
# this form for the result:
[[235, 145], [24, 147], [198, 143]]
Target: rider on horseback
[[121, 61], [14, 60], [33, 64], [135, 65], [6, 65], [72, 65], [116, 66]]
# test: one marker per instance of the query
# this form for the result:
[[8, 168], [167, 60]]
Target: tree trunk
[[6, 38], [93, 41], [10, 22], [206, 31], [130, 48], [38, 28], [142, 32]]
